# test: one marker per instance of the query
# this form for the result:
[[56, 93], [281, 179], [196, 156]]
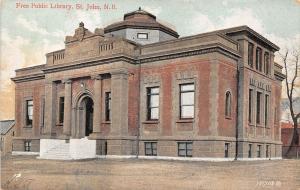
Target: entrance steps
[[73, 149]]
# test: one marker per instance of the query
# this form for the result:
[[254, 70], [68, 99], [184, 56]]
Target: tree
[[291, 67]]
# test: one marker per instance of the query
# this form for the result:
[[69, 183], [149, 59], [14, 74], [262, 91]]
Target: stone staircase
[[56, 149], [58, 152]]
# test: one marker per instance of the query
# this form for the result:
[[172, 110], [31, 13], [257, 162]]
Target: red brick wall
[[227, 82]]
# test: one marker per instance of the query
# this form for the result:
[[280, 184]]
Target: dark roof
[[140, 19], [6, 125]]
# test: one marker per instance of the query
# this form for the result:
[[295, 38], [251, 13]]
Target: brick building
[[136, 88], [7, 133]]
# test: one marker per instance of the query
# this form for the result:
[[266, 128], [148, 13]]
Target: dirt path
[[30, 173]]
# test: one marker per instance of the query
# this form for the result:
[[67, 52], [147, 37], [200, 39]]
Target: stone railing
[[56, 57]]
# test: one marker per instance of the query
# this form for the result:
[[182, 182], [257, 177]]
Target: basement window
[[185, 149], [226, 155], [150, 148], [258, 151], [27, 146]]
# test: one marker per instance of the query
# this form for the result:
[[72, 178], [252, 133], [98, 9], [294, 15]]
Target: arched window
[[228, 104]]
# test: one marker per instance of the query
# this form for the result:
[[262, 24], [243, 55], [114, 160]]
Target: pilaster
[[50, 105], [119, 103], [97, 104], [67, 107]]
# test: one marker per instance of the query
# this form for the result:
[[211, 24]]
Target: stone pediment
[[86, 45], [82, 33]]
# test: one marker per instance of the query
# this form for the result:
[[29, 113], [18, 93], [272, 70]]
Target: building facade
[[136, 88]]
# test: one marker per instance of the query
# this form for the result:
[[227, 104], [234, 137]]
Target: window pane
[[187, 111], [154, 145], [187, 87], [148, 151], [154, 101], [30, 102], [148, 145], [187, 98], [154, 113], [182, 152], [154, 152], [30, 112], [189, 146], [181, 145], [189, 153], [154, 90]]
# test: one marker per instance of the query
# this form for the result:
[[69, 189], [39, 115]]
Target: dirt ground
[[26, 172]]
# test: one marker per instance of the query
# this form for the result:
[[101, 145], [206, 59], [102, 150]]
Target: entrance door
[[89, 116]]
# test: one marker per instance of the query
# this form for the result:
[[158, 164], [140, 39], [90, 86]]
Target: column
[[67, 107], [50, 107], [97, 103], [119, 103]]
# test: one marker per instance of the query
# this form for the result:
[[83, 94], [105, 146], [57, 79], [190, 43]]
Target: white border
[[17, 153], [186, 158], [255, 159]]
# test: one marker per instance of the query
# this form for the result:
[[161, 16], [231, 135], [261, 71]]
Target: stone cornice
[[251, 32], [279, 76], [88, 63], [217, 47], [27, 78]]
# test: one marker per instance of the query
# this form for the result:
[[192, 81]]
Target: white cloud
[[32, 26], [200, 24], [91, 20], [153, 10], [240, 17], [18, 52]]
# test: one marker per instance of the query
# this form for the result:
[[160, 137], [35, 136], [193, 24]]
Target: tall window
[[250, 151], [27, 146], [258, 108], [267, 63], [250, 104], [226, 153], [258, 151], [250, 54], [228, 104], [61, 109], [107, 106], [29, 112], [152, 103], [185, 149], [187, 101], [266, 109], [150, 148], [258, 59]]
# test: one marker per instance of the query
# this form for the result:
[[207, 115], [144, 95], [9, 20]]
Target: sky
[[27, 34]]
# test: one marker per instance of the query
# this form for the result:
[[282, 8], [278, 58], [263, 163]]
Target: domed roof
[[140, 19]]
